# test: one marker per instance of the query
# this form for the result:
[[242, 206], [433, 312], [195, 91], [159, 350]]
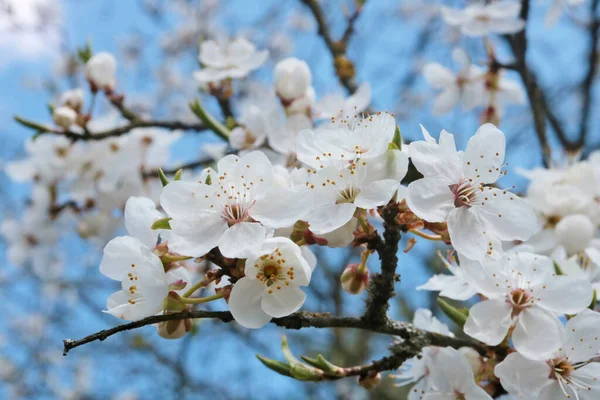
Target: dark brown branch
[[416, 338], [381, 287], [588, 82]]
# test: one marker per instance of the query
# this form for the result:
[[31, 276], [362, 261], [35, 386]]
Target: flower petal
[[520, 375], [489, 321], [376, 194], [538, 334], [467, 234], [484, 155], [245, 303], [283, 302], [564, 294], [198, 235], [506, 215], [430, 199], [330, 217], [241, 237]]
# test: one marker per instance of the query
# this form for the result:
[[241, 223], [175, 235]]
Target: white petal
[[489, 321], [197, 235], [582, 342], [376, 194], [182, 199], [507, 216], [446, 100], [438, 76], [282, 207], [484, 155], [430, 199], [521, 375], [564, 294], [119, 254], [240, 237], [330, 217], [467, 234], [538, 334], [450, 286], [140, 214], [283, 302], [244, 303]]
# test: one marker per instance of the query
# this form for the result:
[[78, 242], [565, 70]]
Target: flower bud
[[292, 78], [101, 71], [174, 329], [64, 117], [304, 104], [574, 232], [355, 278], [72, 99], [370, 381], [473, 358]]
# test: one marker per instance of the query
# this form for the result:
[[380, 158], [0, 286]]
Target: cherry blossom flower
[[339, 107], [101, 70], [233, 212], [454, 285], [275, 270], [453, 191], [569, 373], [130, 259], [72, 99], [478, 19], [523, 293], [292, 78], [585, 265], [235, 60], [466, 87], [452, 378], [253, 132]]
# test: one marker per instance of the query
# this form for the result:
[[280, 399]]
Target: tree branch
[[417, 338]]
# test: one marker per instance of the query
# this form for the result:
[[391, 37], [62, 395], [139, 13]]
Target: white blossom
[[478, 19], [101, 70], [292, 78]]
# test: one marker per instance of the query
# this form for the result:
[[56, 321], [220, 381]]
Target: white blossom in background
[[275, 270], [292, 79], [557, 8], [234, 60], [453, 191], [523, 292], [101, 70], [235, 211], [467, 87], [253, 130], [452, 377], [339, 107], [64, 117], [478, 19], [454, 285], [569, 373], [72, 98]]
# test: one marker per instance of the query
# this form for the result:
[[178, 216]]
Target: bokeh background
[[155, 42]]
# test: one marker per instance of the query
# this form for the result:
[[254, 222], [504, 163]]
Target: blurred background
[[156, 45]]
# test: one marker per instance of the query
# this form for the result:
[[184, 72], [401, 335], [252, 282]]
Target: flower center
[[234, 213], [519, 299], [348, 195], [273, 272], [562, 372], [464, 194], [249, 139]]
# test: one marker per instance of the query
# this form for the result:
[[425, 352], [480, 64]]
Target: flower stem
[[200, 300], [425, 235], [364, 224], [196, 286]]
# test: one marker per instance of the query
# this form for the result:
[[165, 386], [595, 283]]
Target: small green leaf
[[85, 53], [162, 223], [397, 140], [557, 269], [177, 176], [277, 366], [457, 316], [594, 300], [163, 177], [33, 125], [208, 180]]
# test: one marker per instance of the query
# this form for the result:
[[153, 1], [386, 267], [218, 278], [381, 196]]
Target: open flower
[[253, 132], [569, 373], [234, 211], [130, 259], [453, 191], [274, 270], [452, 378], [523, 292], [477, 19], [337, 106], [237, 60]]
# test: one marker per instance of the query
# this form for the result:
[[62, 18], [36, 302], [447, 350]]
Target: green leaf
[[177, 176], [457, 316], [397, 140], [208, 180], [557, 269], [163, 177], [31, 124], [594, 300], [274, 365], [85, 53], [162, 223]]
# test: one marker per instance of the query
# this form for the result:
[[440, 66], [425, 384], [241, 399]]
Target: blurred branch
[[344, 68], [172, 171], [417, 338]]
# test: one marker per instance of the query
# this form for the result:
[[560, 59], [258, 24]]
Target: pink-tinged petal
[[520, 375], [244, 303], [430, 199], [241, 237], [376, 194], [446, 100], [282, 302], [438, 76], [467, 234], [506, 216], [564, 294], [185, 199], [489, 321], [330, 217], [282, 207], [484, 155], [582, 342], [538, 334], [196, 236]]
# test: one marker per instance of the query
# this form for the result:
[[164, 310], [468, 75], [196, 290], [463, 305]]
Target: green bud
[[162, 223], [85, 53], [163, 177], [397, 140], [594, 300], [208, 180], [172, 303], [274, 365], [459, 317], [177, 176]]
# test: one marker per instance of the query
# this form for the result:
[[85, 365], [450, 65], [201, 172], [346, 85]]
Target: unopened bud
[[303, 104], [575, 232], [64, 117], [292, 78], [370, 381], [474, 359], [101, 71], [174, 329], [72, 99], [355, 278]]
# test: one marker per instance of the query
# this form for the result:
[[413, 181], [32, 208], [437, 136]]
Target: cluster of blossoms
[[307, 173]]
